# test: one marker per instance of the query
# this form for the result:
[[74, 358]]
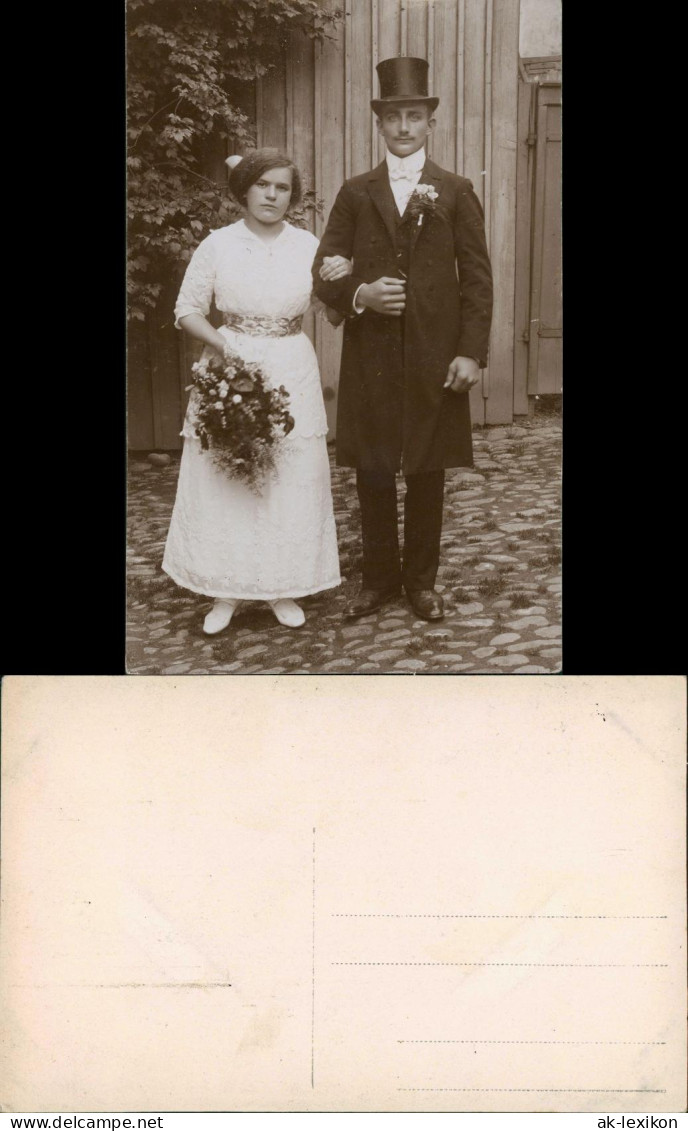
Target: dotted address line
[[391, 915], [654, 1091], [448, 1041]]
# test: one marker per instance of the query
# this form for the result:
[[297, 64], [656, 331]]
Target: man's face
[[405, 126]]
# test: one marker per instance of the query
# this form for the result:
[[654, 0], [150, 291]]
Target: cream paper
[[343, 894]]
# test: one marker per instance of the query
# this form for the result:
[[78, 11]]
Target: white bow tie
[[403, 174]]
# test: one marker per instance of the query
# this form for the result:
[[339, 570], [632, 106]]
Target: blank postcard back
[[344, 894]]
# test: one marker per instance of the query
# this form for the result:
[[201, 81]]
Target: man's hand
[[462, 375], [385, 296], [335, 267]]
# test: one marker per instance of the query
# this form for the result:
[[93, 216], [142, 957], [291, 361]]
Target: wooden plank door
[[501, 125], [527, 119], [166, 380], [139, 395], [545, 346]]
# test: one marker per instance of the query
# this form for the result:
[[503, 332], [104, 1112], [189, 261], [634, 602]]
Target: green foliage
[[191, 69]]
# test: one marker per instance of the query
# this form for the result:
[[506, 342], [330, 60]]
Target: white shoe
[[288, 612], [219, 616]]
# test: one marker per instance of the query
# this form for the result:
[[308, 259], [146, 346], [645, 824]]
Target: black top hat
[[403, 79]]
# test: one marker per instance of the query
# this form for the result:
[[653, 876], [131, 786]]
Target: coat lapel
[[383, 198], [431, 175]]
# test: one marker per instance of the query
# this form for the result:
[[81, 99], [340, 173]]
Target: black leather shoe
[[369, 600], [426, 604]]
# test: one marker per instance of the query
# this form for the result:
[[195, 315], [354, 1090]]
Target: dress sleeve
[[310, 245], [198, 284], [338, 239], [317, 305]]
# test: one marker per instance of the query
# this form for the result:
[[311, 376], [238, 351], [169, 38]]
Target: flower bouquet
[[238, 417]]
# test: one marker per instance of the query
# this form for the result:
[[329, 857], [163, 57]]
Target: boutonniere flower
[[422, 202]]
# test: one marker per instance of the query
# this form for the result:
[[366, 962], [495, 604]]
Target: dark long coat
[[393, 412]]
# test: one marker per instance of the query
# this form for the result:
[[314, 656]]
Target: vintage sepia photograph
[[344, 337]]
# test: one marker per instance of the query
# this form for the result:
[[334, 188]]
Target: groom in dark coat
[[418, 307]]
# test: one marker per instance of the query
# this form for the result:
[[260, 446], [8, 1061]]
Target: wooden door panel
[[545, 347]]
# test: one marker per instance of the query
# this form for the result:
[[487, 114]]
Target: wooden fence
[[316, 106], [538, 360]]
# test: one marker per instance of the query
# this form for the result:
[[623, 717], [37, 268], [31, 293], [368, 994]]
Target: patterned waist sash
[[260, 327]]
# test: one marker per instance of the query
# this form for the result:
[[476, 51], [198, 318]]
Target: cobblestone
[[248, 653], [498, 587], [388, 654], [528, 645], [527, 622], [358, 630]]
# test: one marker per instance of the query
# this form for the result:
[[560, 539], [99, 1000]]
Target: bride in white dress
[[225, 540]]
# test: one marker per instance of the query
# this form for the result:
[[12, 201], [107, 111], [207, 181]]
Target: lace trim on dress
[[243, 592], [262, 326]]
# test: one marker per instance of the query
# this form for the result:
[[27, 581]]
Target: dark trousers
[[377, 495]]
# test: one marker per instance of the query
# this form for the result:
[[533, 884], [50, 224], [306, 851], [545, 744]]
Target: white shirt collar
[[244, 232], [411, 164]]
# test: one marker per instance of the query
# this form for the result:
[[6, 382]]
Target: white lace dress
[[225, 540]]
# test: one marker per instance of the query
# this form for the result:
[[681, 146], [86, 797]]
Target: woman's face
[[268, 199]]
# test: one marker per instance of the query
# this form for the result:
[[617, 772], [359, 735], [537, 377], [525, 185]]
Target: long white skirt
[[225, 540]]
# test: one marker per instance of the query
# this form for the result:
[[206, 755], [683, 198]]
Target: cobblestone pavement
[[499, 576]]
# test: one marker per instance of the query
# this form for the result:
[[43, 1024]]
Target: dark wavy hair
[[251, 168]]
